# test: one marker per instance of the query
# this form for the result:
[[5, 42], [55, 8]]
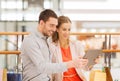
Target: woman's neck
[[64, 43]]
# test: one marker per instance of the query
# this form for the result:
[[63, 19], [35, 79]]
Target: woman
[[65, 50]]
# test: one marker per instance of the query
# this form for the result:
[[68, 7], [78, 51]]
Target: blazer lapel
[[73, 50], [75, 55], [59, 53]]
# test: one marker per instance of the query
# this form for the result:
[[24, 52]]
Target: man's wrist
[[70, 64]]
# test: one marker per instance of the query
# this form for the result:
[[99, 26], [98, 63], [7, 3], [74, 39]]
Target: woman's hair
[[61, 20]]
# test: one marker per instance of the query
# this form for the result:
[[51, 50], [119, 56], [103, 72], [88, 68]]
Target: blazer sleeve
[[80, 48], [53, 52]]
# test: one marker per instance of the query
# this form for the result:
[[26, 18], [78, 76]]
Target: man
[[35, 53]]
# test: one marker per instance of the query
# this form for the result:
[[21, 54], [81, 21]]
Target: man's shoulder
[[29, 38]]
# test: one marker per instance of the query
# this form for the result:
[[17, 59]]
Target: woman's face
[[64, 31]]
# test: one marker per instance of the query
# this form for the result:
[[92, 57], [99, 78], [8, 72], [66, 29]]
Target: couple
[[57, 59]]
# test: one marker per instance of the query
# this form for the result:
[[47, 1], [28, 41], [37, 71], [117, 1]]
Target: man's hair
[[46, 14]]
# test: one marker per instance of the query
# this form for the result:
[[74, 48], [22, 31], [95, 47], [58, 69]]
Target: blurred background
[[87, 16]]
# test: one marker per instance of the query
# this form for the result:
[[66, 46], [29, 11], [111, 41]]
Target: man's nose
[[54, 28]]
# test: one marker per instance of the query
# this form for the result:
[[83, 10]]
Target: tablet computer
[[91, 55]]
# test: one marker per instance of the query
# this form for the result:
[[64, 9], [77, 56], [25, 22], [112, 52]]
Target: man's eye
[[51, 25], [64, 29]]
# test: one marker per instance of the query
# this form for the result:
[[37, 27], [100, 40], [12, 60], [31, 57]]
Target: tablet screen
[[91, 55]]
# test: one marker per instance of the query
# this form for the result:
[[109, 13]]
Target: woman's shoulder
[[51, 43], [76, 42]]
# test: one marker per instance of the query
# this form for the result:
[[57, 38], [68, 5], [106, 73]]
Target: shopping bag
[[14, 77], [4, 78], [97, 75], [109, 76]]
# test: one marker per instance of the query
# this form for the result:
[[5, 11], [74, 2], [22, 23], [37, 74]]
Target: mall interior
[[95, 23]]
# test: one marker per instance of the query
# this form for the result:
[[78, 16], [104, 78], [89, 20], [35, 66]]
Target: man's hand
[[77, 63]]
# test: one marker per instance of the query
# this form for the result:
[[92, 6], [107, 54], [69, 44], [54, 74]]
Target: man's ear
[[41, 22]]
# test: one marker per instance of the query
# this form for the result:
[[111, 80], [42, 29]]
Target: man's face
[[49, 27]]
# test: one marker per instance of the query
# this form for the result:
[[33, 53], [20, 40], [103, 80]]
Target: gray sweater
[[36, 59]]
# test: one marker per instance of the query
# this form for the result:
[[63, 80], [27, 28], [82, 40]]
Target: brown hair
[[46, 14], [61, 20]]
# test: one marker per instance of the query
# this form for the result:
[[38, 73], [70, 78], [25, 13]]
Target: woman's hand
[[97, 60]]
